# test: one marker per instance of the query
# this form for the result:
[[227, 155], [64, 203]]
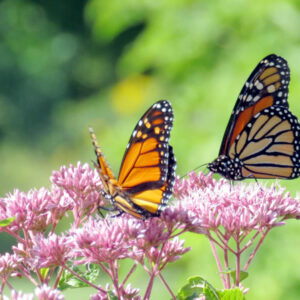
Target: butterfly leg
[[105, 208], [253, 177], [120, 213]]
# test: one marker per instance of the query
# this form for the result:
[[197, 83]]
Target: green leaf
[[44, 272], [197, 286], [233, 294], [6, 222], [243, 275], [68, 280], [111, 296], [210, 293]]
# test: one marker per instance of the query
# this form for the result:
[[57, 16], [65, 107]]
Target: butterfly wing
[[268, 147], [106, 175], [266, 86], [147, 169], [149, 202]]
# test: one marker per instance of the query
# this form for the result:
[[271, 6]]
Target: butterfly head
[[227, 167]]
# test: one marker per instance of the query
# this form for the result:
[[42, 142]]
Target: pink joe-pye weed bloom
[[236, 208], [45, 292], [109, 240], [82, 184], [234, 216], [19, 295], [29, 209], [192, 182], [9, 265], [177, 217], [125, 293], [34, 211], [42, 293], [52, 251], [101, 240], [157, 244]]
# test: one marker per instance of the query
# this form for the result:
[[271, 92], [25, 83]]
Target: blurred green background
[[66, 65]]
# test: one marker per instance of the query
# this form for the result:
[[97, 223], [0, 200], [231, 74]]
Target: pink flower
[[154, 233], [236, 208], [153, 241], [19, 296], [176, 216], [170, 251], [52, 251], [21, 251], [9, 265], [125, 293], [173, 250], [34, 211], [47, 293], [230, 212], [60, 203], [192, 182], [30, 210], [131, 293], [99, 296], [82, 184], [100, 241]]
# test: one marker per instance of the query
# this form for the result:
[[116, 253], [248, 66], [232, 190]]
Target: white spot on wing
[[271, 88], [259, 85], [249, 98]]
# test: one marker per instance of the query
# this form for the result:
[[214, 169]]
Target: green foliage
[[243, 275], [112, 296], [68, 280], [5, 222], [197, 286], [234, 294], [44, 272]]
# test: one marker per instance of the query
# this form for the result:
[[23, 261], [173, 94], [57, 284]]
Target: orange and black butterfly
[[262, 137], [147, 174]]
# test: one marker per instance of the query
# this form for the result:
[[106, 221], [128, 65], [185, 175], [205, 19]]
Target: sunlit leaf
[[197, 286], [243, 274], [44, 272], [68, 280], [233, 294], [6, 222], [111, 296]]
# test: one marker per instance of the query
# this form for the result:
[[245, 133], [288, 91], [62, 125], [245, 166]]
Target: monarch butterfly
[[147, 174], [262, 137]]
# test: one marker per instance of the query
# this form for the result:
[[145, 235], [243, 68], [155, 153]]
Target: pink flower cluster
[[82, 185], [106, 242], [43, 292], [218, 209], [235, 208], [234, 216]]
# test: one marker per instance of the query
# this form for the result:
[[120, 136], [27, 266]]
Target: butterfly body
[[262, 137], [147, 173], [227, 167]]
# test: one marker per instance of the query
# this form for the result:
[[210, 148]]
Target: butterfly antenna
[[94, 139], [194, 169]]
